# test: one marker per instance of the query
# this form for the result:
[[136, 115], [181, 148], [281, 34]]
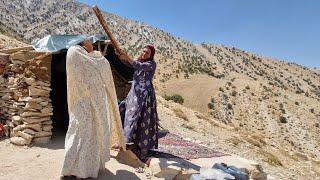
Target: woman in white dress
[[94, 120]]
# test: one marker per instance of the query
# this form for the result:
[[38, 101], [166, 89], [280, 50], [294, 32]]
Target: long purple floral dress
[[139, 110]]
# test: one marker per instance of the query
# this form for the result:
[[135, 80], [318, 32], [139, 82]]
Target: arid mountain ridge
[[278, 100]]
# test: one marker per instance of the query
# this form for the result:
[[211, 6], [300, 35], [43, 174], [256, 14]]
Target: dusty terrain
[[9, 42], [277, 162], [272, 106], [46, 161]]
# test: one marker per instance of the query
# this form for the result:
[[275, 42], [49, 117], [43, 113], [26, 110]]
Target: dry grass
[[234, 140], [301, 156], [270, 158], [166, 105], [317, 162], [180, 114], [201, 116], [255, 139], [206, 118], [188, 126], [253, 142], [260, 138], [287, 155], [7, 42]]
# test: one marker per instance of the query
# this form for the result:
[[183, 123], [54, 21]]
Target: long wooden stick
[[107, 29]]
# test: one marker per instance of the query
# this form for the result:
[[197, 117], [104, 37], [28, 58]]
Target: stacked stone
[[26, 97], [3, 117], [4, 60]]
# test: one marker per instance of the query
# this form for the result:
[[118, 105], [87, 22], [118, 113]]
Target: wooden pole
[[107, 29]]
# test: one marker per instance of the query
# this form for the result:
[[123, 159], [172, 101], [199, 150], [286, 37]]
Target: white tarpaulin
[[55, 43], [94, 115]]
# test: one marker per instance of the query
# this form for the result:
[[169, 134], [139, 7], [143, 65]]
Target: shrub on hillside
[[175, 98], [210, 105], [283, 119], [312, 110], [233, 93], [180, 114], [299, 91]]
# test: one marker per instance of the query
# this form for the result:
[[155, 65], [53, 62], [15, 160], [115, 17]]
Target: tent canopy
[[55, 43]]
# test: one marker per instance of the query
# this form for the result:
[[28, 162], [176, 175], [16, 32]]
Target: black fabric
[[58, 95], [121, 68]]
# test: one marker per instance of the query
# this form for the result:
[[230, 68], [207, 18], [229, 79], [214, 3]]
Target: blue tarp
[[55, 43]]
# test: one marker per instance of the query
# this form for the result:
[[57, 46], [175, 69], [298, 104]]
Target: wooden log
[[12, 50], [4, 58], [107, 29]]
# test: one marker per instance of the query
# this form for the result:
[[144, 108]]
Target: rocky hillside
[[9, 42], [278, 100]]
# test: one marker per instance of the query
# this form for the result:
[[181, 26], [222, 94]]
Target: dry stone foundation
[[24, 95]]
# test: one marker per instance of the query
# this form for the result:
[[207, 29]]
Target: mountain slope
[[276, 99], [7, 42]]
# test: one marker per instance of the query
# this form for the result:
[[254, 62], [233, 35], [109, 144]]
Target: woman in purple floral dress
[[139, 110]]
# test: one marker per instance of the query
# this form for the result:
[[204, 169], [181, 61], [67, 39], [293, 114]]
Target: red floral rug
[[171, 145]]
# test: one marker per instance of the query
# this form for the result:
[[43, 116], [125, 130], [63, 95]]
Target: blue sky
[[282, 29]]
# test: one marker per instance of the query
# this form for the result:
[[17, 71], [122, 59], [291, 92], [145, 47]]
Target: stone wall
[[24, 95], [25, 104]]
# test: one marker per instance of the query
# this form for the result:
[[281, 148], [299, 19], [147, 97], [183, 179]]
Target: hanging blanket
[[94, 116]]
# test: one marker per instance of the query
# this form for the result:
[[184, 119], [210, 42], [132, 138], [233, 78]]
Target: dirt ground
[[45, 162]]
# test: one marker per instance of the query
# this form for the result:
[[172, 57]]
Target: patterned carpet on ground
[[172, 145]]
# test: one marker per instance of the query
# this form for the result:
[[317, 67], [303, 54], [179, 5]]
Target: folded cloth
[[2, 132]]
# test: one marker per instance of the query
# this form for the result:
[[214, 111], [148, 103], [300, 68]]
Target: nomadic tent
[[33, 88]]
